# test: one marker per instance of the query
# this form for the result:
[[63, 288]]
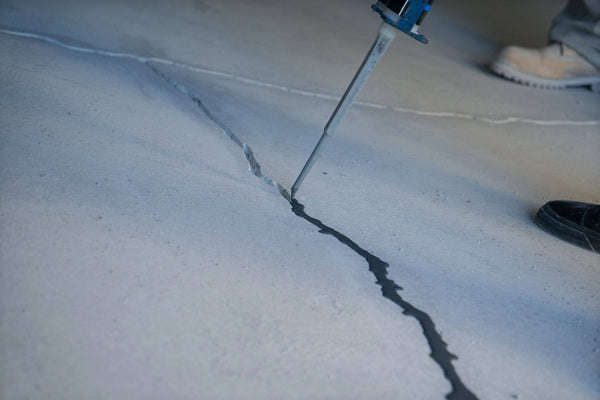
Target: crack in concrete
[[389, 289], [439, 349], [255, 167], [306, 93]]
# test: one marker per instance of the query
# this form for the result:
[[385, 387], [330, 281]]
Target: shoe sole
[[515, 75], [566, 230]]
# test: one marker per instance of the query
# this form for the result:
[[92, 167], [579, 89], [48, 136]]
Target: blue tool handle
[[405, 15]]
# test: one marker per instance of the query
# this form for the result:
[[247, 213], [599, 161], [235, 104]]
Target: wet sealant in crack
[[389, 289]]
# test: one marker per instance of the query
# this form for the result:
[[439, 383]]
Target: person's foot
[[575, 222], [553, 67]]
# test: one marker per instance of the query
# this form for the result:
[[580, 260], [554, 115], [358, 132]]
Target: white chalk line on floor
[[255, 82]]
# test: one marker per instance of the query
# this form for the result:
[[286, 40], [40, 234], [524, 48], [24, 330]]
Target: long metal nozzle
[[386, 35]]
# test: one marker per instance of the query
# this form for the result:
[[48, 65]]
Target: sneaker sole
[[566, 230], [515, 75]]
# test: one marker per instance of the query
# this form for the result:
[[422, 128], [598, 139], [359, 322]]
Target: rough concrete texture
[[140, 259]]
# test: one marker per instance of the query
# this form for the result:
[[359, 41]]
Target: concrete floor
[[140, 258]]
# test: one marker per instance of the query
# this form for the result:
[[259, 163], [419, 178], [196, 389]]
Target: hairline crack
[[300, 92]]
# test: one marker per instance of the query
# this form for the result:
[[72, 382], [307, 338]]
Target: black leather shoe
[[575, 222]]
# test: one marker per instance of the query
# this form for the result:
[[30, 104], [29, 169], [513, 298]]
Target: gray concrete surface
[[140, 259]]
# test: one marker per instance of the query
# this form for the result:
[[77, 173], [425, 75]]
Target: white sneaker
[[553, 67]]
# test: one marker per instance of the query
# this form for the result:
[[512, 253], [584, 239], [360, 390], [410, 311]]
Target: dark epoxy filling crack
[[439, 348], [389, 289]]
